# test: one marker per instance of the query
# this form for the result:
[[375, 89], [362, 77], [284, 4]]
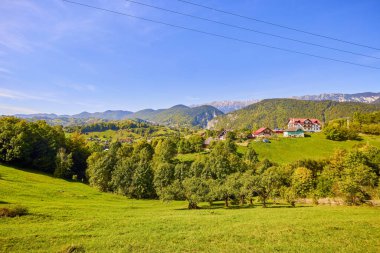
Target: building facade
[[308, 125]]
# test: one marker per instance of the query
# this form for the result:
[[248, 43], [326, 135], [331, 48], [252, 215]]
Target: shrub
[[13, 211], [73, 249], [337, 133]]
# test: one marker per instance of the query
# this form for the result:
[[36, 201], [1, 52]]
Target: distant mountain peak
[[227, 106], [180, 106], [363, 97]]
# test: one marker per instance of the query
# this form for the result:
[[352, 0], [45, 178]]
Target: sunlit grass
[[67, 213]]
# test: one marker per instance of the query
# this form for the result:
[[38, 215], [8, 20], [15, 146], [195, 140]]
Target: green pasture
[[64, 214]]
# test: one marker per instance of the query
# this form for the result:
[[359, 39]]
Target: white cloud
[[10, 110], [16, 95], [79, 87]]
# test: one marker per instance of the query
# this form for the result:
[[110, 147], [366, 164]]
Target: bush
[[73, 249], [13, 211], [336, 133]]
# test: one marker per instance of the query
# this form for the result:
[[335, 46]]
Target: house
[[294, 132], [278, 131], [308, 125], [223, 135], [263, 132]]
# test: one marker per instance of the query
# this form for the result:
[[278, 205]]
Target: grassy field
[[65, 213], [286, 150]]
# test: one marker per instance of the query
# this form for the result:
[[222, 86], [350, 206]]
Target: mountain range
[[229, 106], [239, 114], [365, 97], [276, 112], [179, 115]]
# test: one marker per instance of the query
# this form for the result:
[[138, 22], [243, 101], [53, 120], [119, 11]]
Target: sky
[[57, 57]]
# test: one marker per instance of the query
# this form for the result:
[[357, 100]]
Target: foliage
[[276, 112], [13, 211], [64, 163], [179, 115], [302, 182], [338, 133]]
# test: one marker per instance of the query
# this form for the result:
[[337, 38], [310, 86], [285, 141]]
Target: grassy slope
[[286, 150], [64, 213]]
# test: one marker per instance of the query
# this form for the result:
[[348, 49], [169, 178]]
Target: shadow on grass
[[4, 202], [217, 206], [38, 172]]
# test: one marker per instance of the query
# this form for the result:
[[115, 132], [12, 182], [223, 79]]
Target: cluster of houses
[[296, 128]]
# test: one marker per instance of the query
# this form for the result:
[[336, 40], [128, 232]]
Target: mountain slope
[[110, 115], [377, 101], [179, 115], [365, 97], [230, 106], [275, 113]]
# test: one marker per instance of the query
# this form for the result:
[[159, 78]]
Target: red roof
[[260, 130], [302, 120]]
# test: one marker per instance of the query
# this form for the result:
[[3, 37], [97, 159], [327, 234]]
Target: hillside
[[64, 214], [288, 150], [179, 115], [108, 115], [230, 106], [275, 113]]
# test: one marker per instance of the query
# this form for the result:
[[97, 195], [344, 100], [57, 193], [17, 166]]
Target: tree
[[196, 143], [195, 190], [101, 166], [302, 182], [250, 156], [235, 184], [354, 182], [338, 133], [122, 176], [266, 183], [77, 146], [184, 147], [142, 182], [165, 150], [163, 176], [64, 163]]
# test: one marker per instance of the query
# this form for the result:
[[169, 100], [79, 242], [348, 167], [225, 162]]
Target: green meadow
[[64, 214], [287, 150]]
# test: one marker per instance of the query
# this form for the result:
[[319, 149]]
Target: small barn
[[294, 132], [263, 132]]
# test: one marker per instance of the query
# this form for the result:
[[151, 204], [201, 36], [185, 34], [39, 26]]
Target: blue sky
[[56, 57]]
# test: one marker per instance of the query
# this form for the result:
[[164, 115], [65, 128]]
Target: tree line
[[150, 170], [42, 147], [350, 127]]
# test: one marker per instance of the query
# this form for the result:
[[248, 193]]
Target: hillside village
[[296, 128]]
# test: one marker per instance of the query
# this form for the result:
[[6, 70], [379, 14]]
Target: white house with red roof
[[308, 125], [263, 132]]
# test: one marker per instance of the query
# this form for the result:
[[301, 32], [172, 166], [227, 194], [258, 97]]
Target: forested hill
[[275, 113], [179, 115]]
